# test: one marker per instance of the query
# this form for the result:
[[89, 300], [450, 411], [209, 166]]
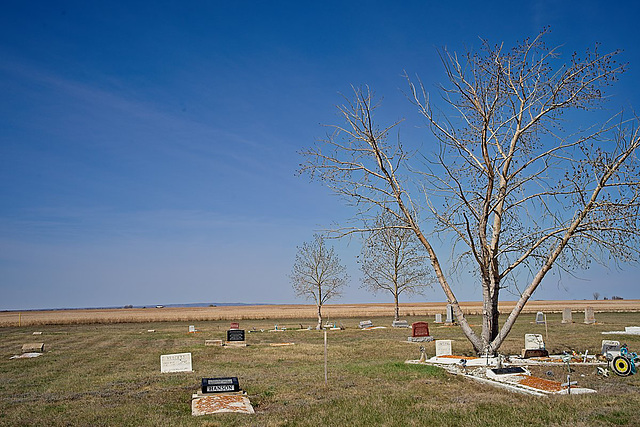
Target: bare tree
[[317, 273], [393, 260], [596, 295], [518, 184]]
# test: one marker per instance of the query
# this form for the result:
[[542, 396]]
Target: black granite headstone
[[235, 335], [220, 385]]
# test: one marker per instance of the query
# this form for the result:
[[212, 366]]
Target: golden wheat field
[[292, 311]]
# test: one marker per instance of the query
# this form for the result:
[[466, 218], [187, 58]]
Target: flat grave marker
[[179, 362], [365, 324], [217, 343], [400, 324], [34, 347]]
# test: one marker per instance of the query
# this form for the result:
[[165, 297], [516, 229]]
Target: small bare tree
[[393, 260], [596, 295], [518, 183], [317, 274]]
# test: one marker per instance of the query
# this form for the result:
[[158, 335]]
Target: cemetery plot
[[215, 404]]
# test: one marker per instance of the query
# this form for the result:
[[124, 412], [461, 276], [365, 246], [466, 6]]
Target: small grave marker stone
[[610, 346], [566, 316], [213, 343], [540, 318], [235, 325], [633, 330], [449, 314], [34, 347], [192, 329], [179, 362], [589, 316], [220, 385], [443, 348], [365, 324], [438, 318], [400, 324], [37, 333]]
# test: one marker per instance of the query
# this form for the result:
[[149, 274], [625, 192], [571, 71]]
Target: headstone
[[443, 348], [180, 362], [365, 324], [37, 333], [589, 316], [213, 342], [610, 346], [235, 335], [420, 332], [438, 318], [235, 325], [540, 318], [420, 329], [192, 329], [534, 346], [533, 342], [566, 316], [34, 347], [632, 330], [400, 324], [449, 313], [220, 385]]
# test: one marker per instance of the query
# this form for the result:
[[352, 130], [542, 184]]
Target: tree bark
[[319, 325]]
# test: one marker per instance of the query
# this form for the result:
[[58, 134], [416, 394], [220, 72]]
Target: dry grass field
[[108, 374], [301, 311]]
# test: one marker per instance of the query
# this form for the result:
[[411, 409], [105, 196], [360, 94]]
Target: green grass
[[110, 375]]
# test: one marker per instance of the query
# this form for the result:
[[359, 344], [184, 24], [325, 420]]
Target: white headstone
[[540, 318], [533, 342], [589, 315], [438, 318], [443, 348], [180, 362], [633, 330], [609, 345], [449, 313], [566, 316], [192, 329]]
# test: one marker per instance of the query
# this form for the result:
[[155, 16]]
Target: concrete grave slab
[[216, 343], [221, 403]]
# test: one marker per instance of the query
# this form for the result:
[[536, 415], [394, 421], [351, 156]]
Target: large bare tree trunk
[[397, 312], [319, 325]]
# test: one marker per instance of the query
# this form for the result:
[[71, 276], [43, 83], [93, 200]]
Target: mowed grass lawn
[[110, 375]]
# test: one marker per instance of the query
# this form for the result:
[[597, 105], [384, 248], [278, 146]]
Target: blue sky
[[148, 150]]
